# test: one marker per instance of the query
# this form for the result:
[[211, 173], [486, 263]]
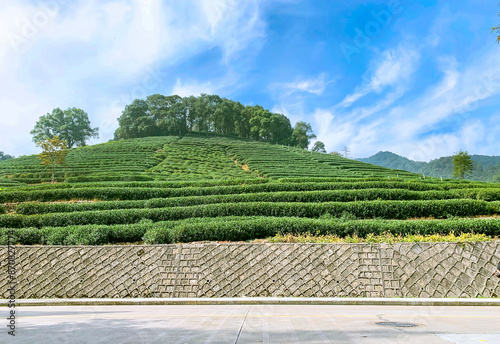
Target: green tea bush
[[140, 193], [365, 209], [264, 227], [154, 184], [240, 228], [29, 208]]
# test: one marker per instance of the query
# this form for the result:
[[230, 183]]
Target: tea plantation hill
[[170, 189], [189, 158]]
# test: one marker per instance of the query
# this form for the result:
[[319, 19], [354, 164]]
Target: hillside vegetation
[[188, 158], [169, 189], [486, 168]]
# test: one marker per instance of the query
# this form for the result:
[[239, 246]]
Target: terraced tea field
[[165, 189], [189, 158]]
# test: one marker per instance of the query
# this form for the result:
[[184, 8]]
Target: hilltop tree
[[225, 115], [281, 129], [319, 147], [173, 115], [302, 134], [204, 108], [167, 113], [71, 125], [5, 156], [462, 164], [136, 121], [53, 153]]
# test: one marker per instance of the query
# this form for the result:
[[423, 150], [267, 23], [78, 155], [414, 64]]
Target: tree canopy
[[53, 153], [4, 156], [71, 125], [302, 135], [160, 115], [462, 164], [319, 147]]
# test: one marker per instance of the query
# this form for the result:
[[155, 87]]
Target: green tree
[[71, 125], [225, 116], [244, 128], [136, 121], [5, 156], [260, 123], [53, 153], [173, 115], [241, 122], [204, 108], [462, 164], [302, 135], [319, 147], [168, 113], [281, 129]]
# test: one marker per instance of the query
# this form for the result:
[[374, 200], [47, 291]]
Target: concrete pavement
[[177, 324]]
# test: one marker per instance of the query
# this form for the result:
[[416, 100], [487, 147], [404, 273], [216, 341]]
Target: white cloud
[[393, 69], [437, 121], [192, 89], [314, 86], [454, 99], [396, 65], [233, 24], [101, 56]]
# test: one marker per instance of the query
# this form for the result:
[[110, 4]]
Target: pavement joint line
[[242, 324], [257, 301]]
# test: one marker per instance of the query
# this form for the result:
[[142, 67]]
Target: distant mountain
[[486, 168]]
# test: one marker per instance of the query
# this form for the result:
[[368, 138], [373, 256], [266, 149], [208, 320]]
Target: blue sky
[[418, 78]]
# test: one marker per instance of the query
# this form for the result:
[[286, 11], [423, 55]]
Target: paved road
[[241, 324]]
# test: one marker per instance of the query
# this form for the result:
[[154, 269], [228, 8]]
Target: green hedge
[[109, 177], [238, 228], [155, 184], [138, 193], [30, 208], [366, 209], [3, 210]]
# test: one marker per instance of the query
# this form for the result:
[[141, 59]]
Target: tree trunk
[[53, 172]]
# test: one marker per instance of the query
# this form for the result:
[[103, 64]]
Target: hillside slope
[[161, 190], [190, 158], [486, 168]]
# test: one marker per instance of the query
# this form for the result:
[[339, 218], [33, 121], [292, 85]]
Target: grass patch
[[386, 237]]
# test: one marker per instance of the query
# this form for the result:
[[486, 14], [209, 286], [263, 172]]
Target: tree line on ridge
[[160, 115]]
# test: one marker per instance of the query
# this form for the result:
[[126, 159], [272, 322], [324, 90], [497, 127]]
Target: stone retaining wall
[[236, 270]]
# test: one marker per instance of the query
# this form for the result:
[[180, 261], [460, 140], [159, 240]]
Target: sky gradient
[[418, 78]]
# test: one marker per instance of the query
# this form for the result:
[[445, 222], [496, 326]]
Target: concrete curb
[[257, 301]]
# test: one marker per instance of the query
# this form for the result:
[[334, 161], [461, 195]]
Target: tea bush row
[[30, 208], [146, 184], [236, 229], [137, 193], [366, 209]]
